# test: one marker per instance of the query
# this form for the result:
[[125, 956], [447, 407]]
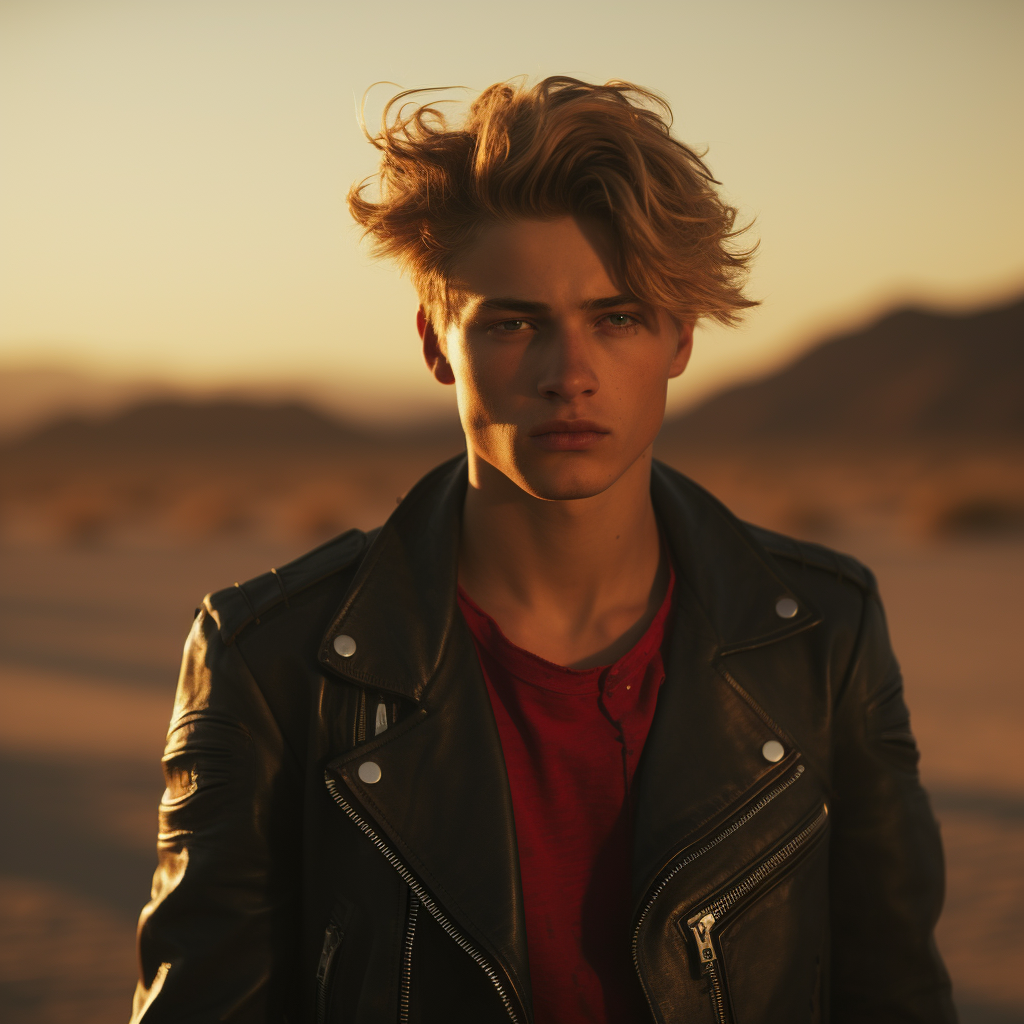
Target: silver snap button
[[786, 607], [369, 772], [344, 645], [772, 751]]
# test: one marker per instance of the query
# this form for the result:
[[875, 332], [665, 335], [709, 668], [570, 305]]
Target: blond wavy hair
[[561, 148]]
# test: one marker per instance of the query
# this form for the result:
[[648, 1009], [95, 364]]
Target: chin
[[565, 482]]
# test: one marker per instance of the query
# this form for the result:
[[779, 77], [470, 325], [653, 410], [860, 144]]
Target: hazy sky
[[173, 173]]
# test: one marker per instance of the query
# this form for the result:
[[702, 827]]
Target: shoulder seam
[[816, 556], [234, 608]]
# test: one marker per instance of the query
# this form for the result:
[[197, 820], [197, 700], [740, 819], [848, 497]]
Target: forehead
[[552, 261]]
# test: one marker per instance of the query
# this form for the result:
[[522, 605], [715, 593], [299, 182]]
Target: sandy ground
[[89, 644]]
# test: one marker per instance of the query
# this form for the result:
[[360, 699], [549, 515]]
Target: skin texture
[[561, 381]]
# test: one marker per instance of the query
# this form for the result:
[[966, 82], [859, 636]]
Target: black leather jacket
[[290, 889]]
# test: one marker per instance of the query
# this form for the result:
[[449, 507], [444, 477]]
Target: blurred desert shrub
[[822, 494], [212, 512], [188, 471], [982, 516]]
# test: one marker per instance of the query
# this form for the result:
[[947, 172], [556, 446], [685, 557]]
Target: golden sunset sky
[[173, 173]]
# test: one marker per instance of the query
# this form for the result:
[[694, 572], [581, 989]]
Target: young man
[[563, 740]]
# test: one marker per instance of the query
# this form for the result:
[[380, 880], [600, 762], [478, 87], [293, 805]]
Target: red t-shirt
[[572, 740]]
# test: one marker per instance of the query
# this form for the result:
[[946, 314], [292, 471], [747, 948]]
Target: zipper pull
[[701, 928], [332, 940]]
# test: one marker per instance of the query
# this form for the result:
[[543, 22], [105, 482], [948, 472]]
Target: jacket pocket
[[706, 924], [333, 938]]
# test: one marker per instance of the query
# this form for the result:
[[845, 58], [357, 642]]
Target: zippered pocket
[[375, 713], [333, 937], [707, 922]]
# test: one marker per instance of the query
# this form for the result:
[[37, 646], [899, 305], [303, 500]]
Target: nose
[[567, 370]]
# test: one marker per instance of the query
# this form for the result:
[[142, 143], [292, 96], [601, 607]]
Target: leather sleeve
[[216, 939], [887, 866]]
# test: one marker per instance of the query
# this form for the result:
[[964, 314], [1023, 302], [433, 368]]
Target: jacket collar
[[405, 587], [731, 576], [405, 590]]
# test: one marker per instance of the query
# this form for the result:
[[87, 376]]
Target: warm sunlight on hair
[[562, 147]]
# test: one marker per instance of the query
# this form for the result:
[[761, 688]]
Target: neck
[[572, 580]]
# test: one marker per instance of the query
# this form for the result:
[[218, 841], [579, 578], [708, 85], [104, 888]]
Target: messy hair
[[560, 148]]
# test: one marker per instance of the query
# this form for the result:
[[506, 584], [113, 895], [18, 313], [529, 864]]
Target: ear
[[684, 349], [432, 351]]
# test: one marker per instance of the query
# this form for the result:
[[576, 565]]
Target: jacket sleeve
[[217, 938], [887, 866]]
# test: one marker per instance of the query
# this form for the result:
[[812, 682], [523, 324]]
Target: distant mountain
[[158, 426], [33, 396], [220, 429], [913, 376]]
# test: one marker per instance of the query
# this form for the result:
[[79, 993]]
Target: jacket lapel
[[703, 754], [442, 801], [400, 608]]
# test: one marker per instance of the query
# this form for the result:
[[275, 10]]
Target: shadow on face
[[561, 374]]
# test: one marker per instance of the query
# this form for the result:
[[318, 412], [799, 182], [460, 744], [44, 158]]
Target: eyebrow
[[528, 306], [610, 301]]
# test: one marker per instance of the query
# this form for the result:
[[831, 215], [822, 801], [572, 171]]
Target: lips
[[568, 435]]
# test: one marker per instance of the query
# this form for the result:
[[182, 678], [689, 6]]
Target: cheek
[[642, 382], [485, 378], [478, 388]]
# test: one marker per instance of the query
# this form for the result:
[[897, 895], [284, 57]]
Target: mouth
[[568, 435]]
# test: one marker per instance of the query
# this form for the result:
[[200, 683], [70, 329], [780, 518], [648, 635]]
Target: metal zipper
[[332, 942], [361, 718], [406, 981], [703, 922], [702, 930], [421, 894], [689, 859]]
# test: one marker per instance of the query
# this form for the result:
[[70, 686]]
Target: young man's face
[[561, 378]]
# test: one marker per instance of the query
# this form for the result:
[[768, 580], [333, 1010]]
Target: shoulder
[[787, 557], [234, 608], [807, 558], [838, 587]]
